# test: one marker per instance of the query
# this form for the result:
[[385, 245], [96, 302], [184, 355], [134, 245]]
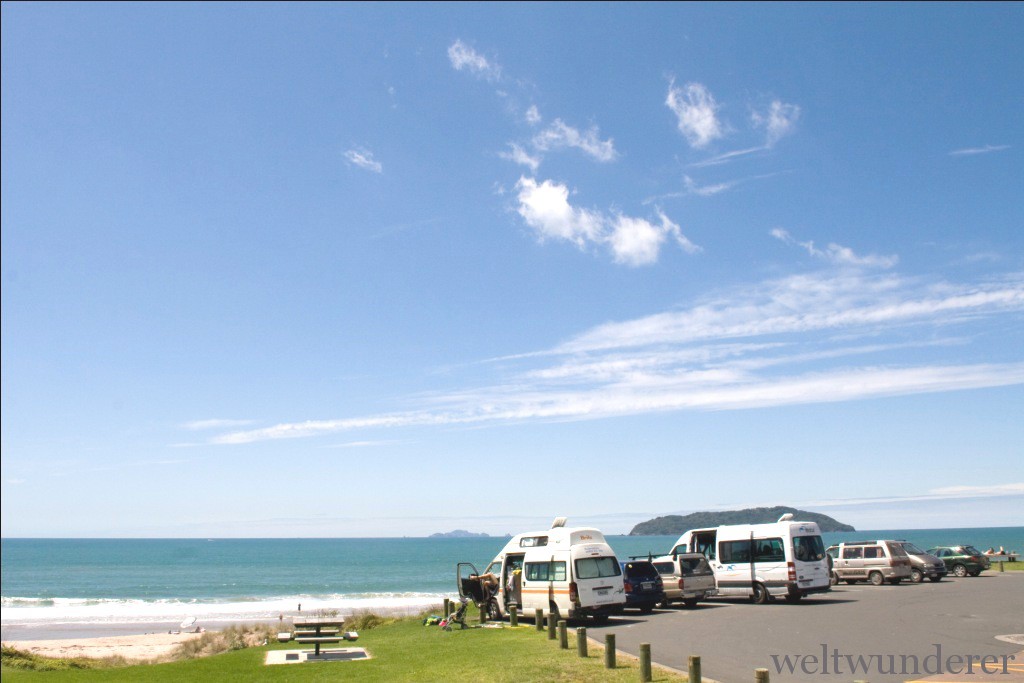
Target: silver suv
[[923, 564], [687, 578], [874, 561]]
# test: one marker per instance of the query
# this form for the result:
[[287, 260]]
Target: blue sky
[[363, 269]]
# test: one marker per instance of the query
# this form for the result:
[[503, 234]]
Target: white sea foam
[[41, 611]]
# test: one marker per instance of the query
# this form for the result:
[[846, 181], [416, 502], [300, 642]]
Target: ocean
[[66, 587]]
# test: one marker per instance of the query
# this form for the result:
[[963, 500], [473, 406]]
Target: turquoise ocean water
[[56, 585]]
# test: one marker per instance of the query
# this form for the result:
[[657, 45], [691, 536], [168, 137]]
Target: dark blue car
[[644, 587]]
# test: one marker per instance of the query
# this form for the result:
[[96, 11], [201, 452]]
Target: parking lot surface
[[860, 632]]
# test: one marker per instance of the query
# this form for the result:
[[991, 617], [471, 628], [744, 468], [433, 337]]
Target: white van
[[763, 560], [568, 572]]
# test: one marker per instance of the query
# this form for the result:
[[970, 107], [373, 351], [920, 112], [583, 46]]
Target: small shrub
[[26, 661], [228, 640]]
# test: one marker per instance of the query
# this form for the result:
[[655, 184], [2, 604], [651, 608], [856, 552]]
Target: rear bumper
[[794, 588]]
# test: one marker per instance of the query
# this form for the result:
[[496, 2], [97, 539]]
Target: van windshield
[[808, 548], [597, 567]]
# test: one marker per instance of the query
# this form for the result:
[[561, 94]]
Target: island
[[675, 525], [458, 533]]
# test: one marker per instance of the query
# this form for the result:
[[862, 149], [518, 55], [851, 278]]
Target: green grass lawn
[[401, 651]]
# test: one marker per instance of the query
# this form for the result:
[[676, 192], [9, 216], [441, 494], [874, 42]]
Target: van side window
[[734, 551], [872, 552], [533, 541], [853, 553], [769, 550], [545, 571]]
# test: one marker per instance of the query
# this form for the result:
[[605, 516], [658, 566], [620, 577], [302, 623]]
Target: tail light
[[628, 586], [792, 571], [574, 593], [680, 584]]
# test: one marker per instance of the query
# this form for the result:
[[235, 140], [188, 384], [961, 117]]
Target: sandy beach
[[138, 647]]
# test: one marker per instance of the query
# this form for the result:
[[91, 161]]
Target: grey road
[[832, 637]]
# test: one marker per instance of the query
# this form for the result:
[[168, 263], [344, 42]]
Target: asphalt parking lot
[[833, 636]]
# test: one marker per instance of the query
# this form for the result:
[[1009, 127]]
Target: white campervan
[[763, 560], [567, 572]]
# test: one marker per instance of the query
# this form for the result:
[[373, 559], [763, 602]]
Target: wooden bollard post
[[1001, 567], [645, 663], [552, 625], [609, 651], [581, 641], [513, 615], [693, 671], [563, 635], [761, 676], [538, 619], [447, 607], [483, 614]]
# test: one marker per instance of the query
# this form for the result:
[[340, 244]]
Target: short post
[[447, 607], [552, 624], [513, 615], [563, 636], [645, 663], [1001, 567], [609, 651], [761, 676], [538, 619], [483, 614], [693, 671], [581, 641]]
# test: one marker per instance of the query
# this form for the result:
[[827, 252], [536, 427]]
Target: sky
[[360, 269]]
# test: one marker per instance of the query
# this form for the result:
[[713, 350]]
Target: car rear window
[[808, 548], [641, 570], [664, 567], [694, 565]]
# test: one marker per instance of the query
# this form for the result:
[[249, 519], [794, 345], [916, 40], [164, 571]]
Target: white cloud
[[706, 190], [633, 241], [696, 111], [364, 159], [533, 115], [971, 151], [755, 347], [779, 121], [559, 135], [463, 56], [520, 156], [838, 254]]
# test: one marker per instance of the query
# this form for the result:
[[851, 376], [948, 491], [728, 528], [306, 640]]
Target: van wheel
[[876, 578], [916, 576], [600, 618], [493, 613], [760, 594], [691, 602], [833, 579], [960, 570]]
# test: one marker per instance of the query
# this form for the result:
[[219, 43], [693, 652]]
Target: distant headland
[[459, 533], [673, 525]]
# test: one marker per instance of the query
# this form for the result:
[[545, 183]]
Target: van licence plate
[[602, 591]]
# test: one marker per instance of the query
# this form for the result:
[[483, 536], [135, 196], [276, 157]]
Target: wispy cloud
[[632, 241], [559, 135], [464, 57], [773, 343], [706, 190], [970, 151], [696, 113], [836, 253], [778, 122], [520, 156], [364, 159]]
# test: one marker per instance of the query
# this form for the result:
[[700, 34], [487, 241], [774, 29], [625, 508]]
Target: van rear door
[[598, 580]]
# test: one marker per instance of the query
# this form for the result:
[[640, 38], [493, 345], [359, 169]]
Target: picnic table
[[319, 632]]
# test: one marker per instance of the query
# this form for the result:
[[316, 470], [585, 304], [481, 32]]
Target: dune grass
[[402, 650]]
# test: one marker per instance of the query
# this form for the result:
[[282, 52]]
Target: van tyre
[[833, 579], [493, 612], [876, 578], [760, 596], [690, 602], [916, 576], [960, 570]]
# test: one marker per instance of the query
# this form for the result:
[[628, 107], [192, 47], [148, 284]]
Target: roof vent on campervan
[[559, 522], [786, 517]]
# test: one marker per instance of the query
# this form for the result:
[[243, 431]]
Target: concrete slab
[[345, 654]]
